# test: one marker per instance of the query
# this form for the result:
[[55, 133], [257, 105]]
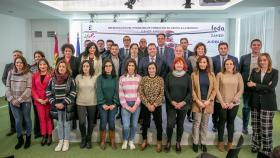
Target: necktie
[[161, 52], [126, 52], [153, 59], [223, 61]]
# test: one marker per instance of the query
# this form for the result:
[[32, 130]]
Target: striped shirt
[[19, 86], [128, 90]]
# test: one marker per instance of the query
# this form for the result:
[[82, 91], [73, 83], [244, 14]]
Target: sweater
[[19, 86], [86, 90], [204, 84], [178, 88], [107, 90], [230, 87], [128, 90], [152, 90]]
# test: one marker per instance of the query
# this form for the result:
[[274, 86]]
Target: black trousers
[[226, 116], [86, 114], [215, 115], [177, 117], [147, 120]]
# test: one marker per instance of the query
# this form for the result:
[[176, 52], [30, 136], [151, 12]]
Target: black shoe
[[49, 141], [89, 144], [178, 147], [204, 148], [44, 140], [27, 142], [262, 155], [11, 132], [83, 143], [20, 142], [167, 147], [190, 119], [195, 147], [214, 129], [254, 150], [245, 131]]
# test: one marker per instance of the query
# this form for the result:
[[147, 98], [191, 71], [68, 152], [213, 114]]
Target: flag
[[78, 46], [68, 38], [55, 52]]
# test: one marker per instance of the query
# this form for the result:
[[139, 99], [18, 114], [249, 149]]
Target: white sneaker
[[65, 145], [131, 145], [124, 145], [59, 146]]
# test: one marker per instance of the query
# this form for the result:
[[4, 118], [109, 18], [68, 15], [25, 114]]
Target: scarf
[[60, 79], [178, 73]]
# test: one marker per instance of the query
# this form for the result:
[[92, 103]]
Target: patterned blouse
[[151, 90]]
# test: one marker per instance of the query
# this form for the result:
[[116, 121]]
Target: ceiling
[[33, 9]]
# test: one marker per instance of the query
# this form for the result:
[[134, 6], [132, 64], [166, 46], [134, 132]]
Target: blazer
[[263, 96], [161, 66], [143, 53], [122, 53], [74, 64], [217, 63], [168, 56], [39, 88], [244, 67], [190, 53], [7, 68], [196, 95]]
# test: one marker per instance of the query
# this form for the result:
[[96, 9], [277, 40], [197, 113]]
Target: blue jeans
[[246, 110], [63, 126], [130, 121], [107, 116], [19, 113]]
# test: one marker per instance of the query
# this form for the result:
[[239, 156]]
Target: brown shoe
[[221, 146], [112, 139], [229, 146], [158, 148], [144, 144], [103, 139]]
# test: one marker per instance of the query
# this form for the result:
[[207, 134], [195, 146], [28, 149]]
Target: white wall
[[46, 44], [276, 49], [15, 34]]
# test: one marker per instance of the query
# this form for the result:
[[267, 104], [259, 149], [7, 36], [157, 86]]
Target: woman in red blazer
[[40, 80]]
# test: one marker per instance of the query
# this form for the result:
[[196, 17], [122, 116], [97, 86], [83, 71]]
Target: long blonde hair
[[269, 62]]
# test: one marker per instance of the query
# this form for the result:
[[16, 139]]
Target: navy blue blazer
[[143, 65], [122, 54], [217, 63], [190, 53], [168, 56]]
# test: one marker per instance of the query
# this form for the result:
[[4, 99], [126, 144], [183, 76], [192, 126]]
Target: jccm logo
[[217, 28]]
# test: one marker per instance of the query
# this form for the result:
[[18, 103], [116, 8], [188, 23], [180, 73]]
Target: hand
[[180, 105], [151, 108], [207, 103], [230, 105], [105, 107], [15, 102], [133, 109], [111, 107], [224, 105], [174, 103], [59, 106], [41, 101], [251, 84], [200, 104]]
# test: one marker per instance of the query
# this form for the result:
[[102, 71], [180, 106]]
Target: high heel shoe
[[144, 144], [167, 147]]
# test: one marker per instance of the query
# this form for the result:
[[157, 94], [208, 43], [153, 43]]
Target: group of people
[[136, 81]]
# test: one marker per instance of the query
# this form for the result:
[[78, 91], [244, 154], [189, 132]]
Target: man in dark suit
[[109, 44], [247, 63], [101, 46], [164, 52], [218, 62], [184, 42], [124, 51], [8, 67], [143, 49], [153, 57]]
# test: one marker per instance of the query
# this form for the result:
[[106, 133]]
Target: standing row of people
[[185, 81]]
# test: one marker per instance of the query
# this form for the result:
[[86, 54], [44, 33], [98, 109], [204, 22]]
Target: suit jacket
[[196, 95], [244, 68], [161, 66], [7, 68], [217, 63], [263, 95], [190, 53], [39, 88], [143, 53], [74, 64], [122, 55], [168, 56]]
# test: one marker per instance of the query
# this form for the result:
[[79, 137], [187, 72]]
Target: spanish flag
[[55, 52]]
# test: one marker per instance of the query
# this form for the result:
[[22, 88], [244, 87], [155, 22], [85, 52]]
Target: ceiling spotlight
[[115, 18], [188, 4], [91, 17], [140, 20], [130, 3]]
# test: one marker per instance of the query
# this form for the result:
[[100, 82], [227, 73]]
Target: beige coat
[[196, 92]]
